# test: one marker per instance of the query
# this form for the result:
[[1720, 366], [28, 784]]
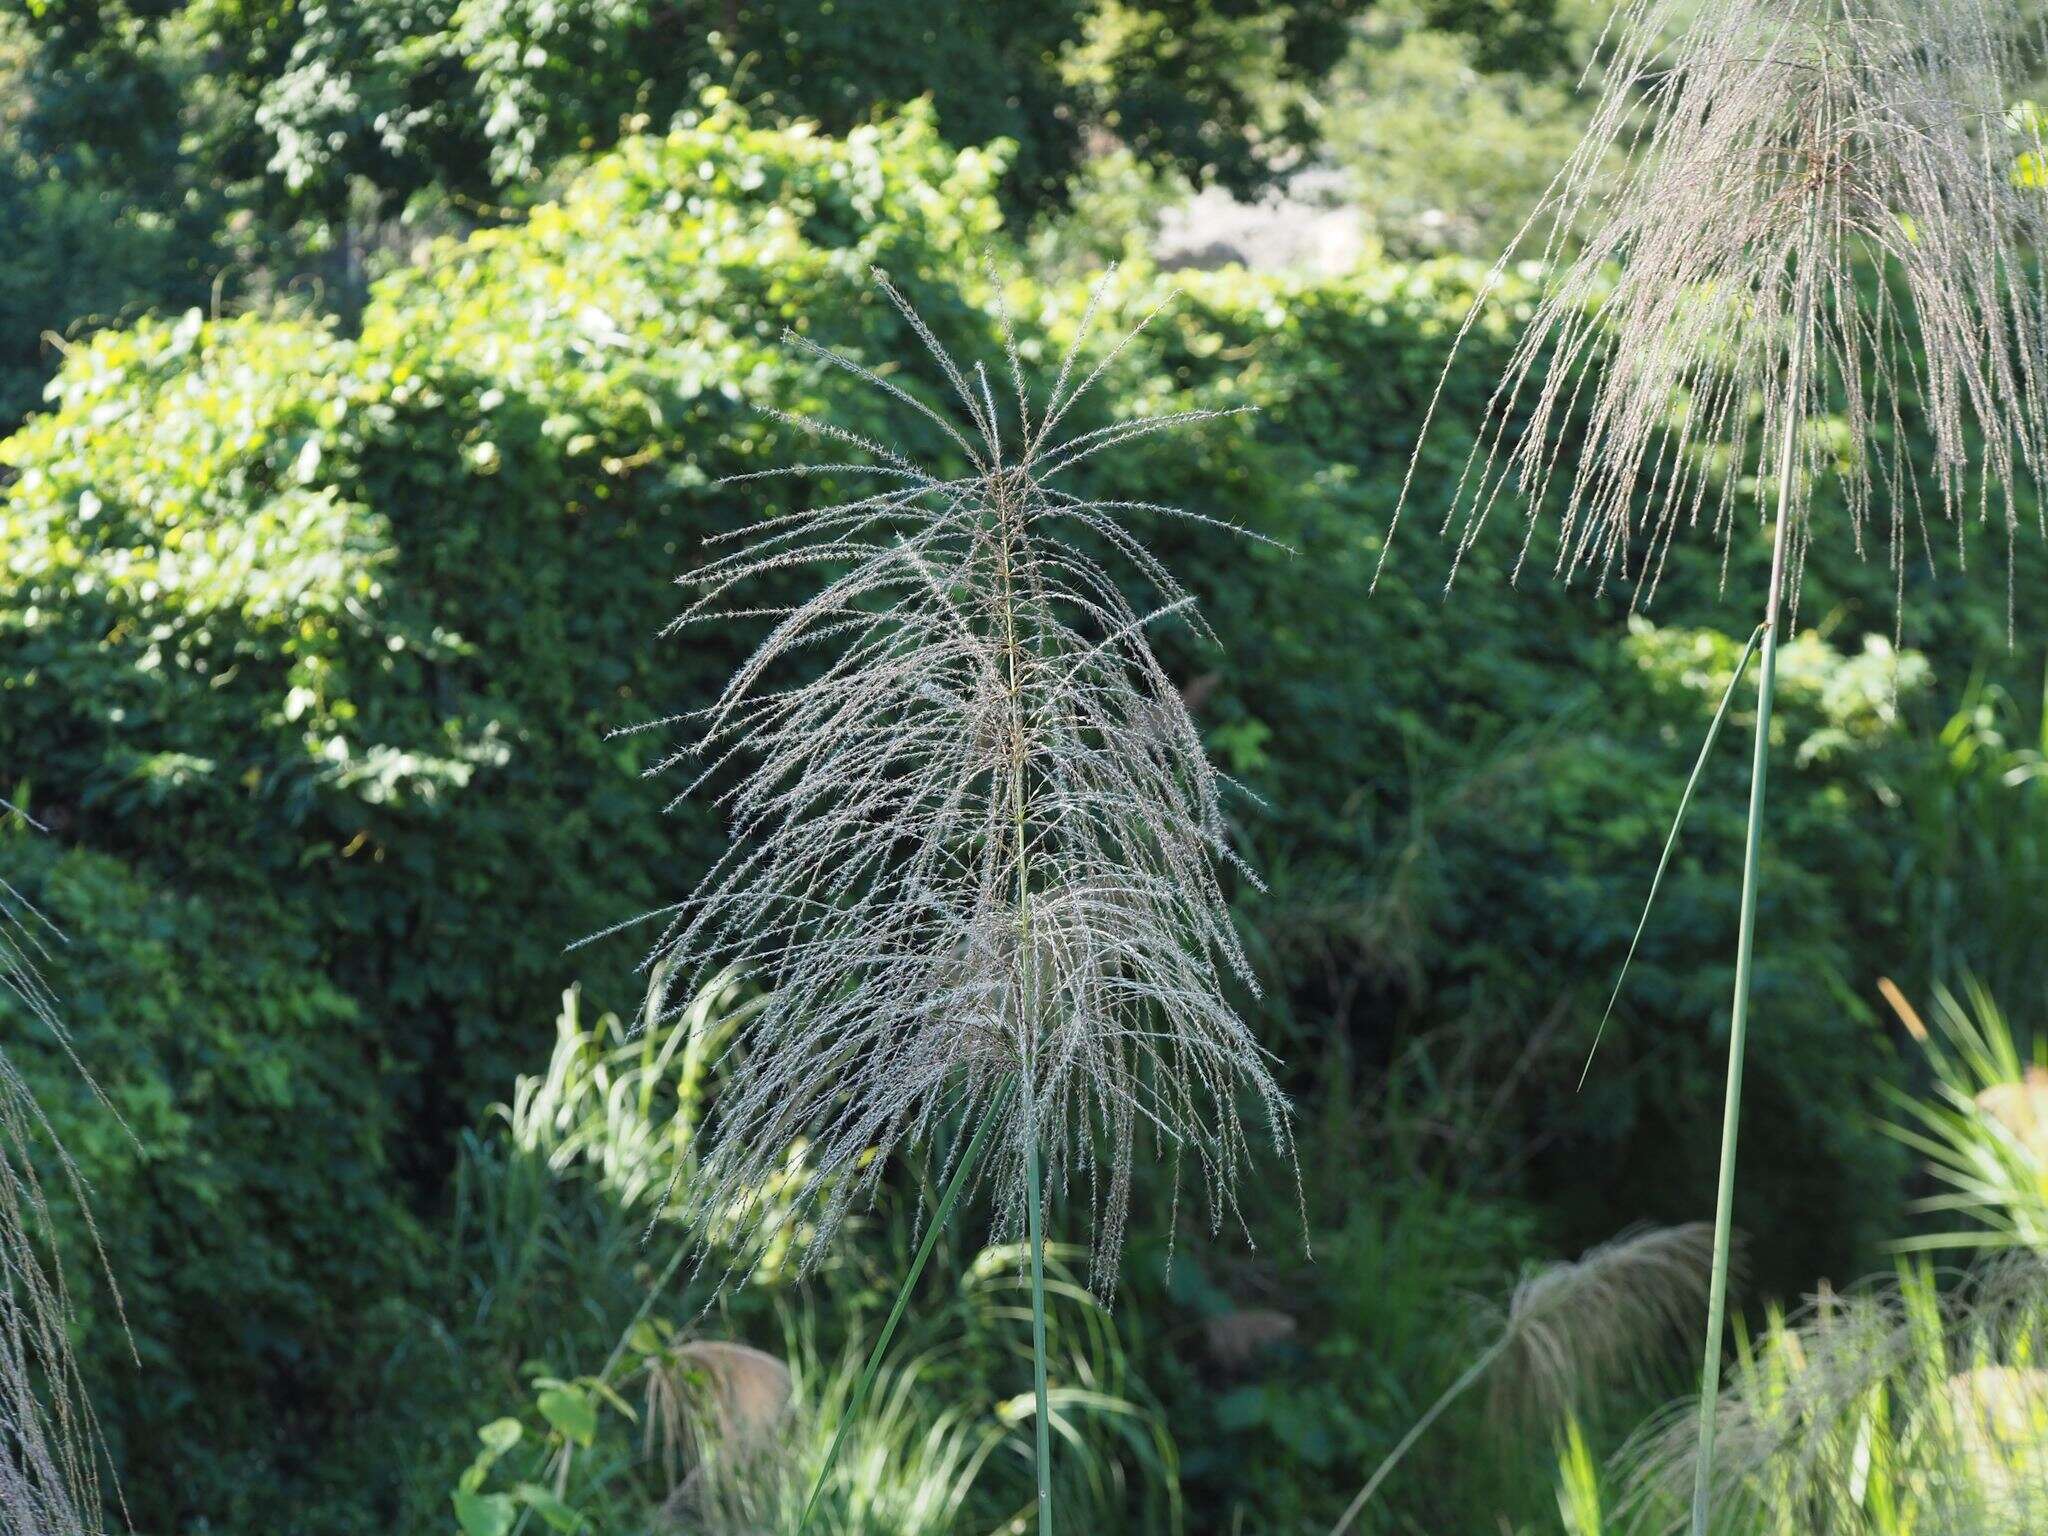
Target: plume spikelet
[[50, 1441], [975, 841], [1569, 1327], [1822, 208]]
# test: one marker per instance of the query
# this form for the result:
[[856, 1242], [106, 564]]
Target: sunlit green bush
[[335, 630]]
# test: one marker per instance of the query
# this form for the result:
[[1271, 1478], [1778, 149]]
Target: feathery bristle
[[1572, 1325]]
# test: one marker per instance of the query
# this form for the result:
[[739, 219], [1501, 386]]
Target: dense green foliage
[[1422, 191], [91, 243], [310, 643], [309, 103], [164, 153], [239, 1176]]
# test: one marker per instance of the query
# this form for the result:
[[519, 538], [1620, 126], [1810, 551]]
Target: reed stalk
[[1745, 937], [1042, 1412]]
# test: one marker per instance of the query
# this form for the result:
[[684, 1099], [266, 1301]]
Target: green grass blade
[[1671, 842], [1745, 933], [1035, 1219], [1731, 1114], [1420, 1427], [968, 1161]]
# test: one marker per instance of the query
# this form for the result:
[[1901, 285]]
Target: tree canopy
[[308, 105]]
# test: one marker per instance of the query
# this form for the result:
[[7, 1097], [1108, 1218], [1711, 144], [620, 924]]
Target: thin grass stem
[[1671, 842], [969, 1159], [1035, 1218], [1452, 1393], [1034, 1181], [1745, 942]]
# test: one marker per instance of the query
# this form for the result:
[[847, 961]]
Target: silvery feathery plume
[[975, 840], [1798, 208], [1570, 1326], [49, 1438], [1774, 154]]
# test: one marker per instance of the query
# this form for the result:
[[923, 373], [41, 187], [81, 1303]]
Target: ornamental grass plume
[[975, 840], [1797, 209], [50, 1442], [1570, 1326], [1821, 208]]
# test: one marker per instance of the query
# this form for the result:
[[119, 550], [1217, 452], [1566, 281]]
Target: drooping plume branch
[[1841, 179]]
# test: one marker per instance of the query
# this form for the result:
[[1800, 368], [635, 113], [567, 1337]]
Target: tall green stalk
[[1745, 943], [1009, 516], [1035, 1221], [969, 1160], [1418, 1429]]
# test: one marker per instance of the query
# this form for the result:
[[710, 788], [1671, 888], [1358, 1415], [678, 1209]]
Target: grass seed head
[[1798, 209], [975, 839]]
